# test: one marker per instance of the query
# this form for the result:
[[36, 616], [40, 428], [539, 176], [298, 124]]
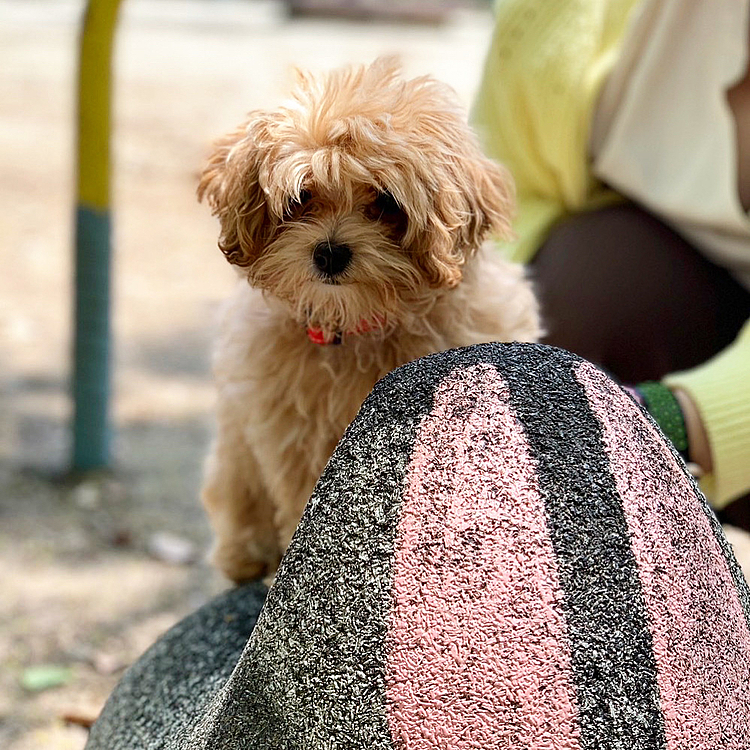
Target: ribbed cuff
[[662, 405]]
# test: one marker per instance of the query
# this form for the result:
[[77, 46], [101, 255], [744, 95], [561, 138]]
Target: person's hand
[[699, 448]]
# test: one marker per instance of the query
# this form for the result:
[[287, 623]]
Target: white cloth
[[663, 131]]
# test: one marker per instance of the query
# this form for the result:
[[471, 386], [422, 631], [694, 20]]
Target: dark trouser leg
[[623, 290], [626, 292]]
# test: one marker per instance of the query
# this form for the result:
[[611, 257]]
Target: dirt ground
[[91, 572]]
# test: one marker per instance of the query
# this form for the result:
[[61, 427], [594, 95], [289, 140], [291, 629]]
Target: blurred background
[[92, 570]]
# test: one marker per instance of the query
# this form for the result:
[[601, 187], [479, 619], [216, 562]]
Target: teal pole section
[[91, 350]]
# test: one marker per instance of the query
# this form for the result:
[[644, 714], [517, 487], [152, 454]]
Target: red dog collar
[[320, 337]]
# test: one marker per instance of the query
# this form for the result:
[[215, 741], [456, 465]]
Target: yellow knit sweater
[[545, 68]]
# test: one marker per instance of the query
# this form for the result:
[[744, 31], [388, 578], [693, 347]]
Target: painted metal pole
[[91, 346]]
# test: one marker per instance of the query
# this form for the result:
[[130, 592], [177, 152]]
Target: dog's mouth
[[329, 281]]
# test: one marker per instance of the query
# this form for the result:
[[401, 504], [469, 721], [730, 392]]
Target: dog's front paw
[[243, 559]]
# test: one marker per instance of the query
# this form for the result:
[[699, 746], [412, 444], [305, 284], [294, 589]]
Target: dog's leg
[[237, 504]]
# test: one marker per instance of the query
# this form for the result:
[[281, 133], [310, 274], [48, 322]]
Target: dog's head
[[362, 195]]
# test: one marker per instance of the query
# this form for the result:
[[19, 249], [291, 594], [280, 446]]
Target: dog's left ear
[[231, 184], [475, 197], [491, 196]]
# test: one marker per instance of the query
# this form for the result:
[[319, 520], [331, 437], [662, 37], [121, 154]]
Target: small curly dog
[[356, 214]]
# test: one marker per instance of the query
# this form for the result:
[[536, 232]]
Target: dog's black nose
[[331, 258]]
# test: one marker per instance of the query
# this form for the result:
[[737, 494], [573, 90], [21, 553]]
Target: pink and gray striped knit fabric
[[502, 553]]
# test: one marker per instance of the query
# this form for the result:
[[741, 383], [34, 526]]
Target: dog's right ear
[[230, 183]]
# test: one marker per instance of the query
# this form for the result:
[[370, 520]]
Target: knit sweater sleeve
[[547, 62], [720, 389]]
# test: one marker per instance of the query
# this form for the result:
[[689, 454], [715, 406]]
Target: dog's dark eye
[[387, 204], [296, 202], [386, 210]]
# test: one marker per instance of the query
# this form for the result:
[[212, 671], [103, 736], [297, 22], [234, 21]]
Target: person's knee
[[622, 289]]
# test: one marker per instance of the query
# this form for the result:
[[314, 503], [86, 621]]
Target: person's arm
[[547, 62]]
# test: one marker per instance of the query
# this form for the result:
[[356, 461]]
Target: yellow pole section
[[94, 86], [91, 346]]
